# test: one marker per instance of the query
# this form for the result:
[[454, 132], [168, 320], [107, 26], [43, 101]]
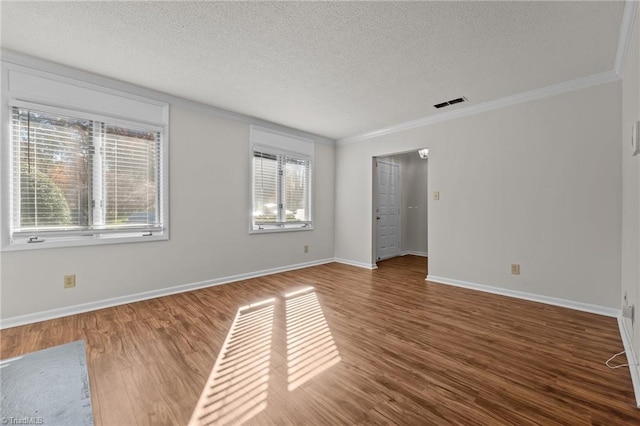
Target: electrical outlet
[[629, 312], [69, 281], [515, 269], [306, 249]]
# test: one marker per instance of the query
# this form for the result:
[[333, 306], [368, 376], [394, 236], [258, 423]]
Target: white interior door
[[388, 210]]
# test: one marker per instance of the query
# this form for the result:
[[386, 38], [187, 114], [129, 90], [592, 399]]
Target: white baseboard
[[115, 301], [632, 358], [358, 264], [414, 253], [586, 307]]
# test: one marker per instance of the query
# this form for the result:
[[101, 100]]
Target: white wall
[[413, 209], [209, 205], [537, 183], [631, 181]]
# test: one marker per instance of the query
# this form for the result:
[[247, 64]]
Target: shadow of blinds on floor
[[237, 387], [310, 346]]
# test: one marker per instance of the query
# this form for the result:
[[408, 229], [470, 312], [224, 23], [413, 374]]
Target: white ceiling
[[335, 69]]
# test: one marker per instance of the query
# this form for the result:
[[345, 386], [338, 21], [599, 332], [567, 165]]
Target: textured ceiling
[[336, 69]]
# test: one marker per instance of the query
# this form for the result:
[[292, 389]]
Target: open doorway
[[400, 212]]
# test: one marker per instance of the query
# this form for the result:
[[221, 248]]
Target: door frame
[[374, 201]]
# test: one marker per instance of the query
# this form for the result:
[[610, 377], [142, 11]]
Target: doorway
[[399, 209]]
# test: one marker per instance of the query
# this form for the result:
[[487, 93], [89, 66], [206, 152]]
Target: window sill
[[75, 241], [275, 229]]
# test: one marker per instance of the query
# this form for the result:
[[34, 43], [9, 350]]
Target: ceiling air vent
[[451, 102]]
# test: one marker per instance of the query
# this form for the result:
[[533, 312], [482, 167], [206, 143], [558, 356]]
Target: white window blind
[[77, 175], [282, 181], [132, 175], [297, 189], [265, 188]]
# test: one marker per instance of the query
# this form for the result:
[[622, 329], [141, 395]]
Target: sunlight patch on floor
[[237, 387], [310, 346]]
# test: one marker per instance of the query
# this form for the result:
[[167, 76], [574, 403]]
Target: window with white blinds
[[77, 176], [281, 181]]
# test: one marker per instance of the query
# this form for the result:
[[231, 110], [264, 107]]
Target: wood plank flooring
[[360, 347]]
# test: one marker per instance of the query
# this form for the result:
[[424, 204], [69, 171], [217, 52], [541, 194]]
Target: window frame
[[257, 144], [102, 105]]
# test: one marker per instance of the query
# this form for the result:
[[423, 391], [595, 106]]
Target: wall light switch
[[515, 268], [635, 138], [436, 195]]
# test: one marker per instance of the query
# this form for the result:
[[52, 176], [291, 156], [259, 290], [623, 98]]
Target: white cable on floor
[[615, 366]]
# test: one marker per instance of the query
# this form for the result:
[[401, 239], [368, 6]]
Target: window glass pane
[[131, 176], [265, 188], [297, 190], [53, 173]]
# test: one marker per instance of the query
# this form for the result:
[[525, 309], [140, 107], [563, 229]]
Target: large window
[[281, 181], [79, 176]]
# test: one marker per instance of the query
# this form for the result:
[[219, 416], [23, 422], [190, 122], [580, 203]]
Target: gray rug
[[47, 387]]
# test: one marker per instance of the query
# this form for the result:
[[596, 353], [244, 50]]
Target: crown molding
[[39, 64], [626, 31], [555, 89]]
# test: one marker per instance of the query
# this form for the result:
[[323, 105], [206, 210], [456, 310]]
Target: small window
[[76, 176], [281, 182]]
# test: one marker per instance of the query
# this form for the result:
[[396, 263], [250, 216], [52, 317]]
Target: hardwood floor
[[360, 347]]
